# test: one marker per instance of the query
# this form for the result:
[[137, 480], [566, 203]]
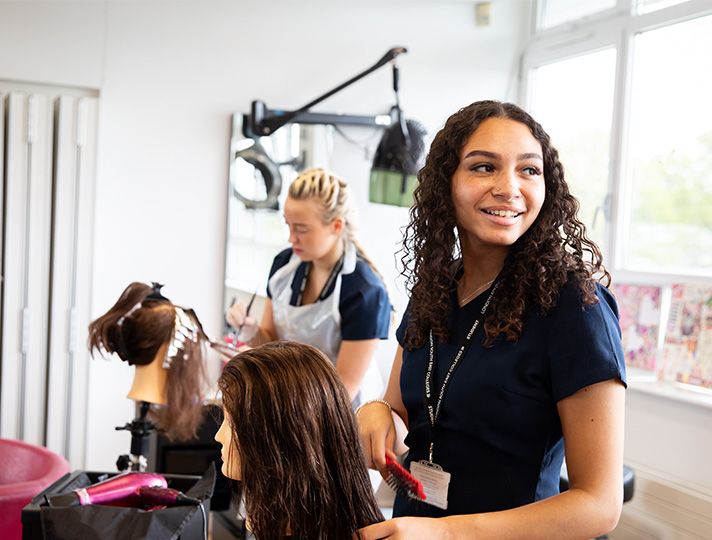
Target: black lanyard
[[433, 405], [327, 286]]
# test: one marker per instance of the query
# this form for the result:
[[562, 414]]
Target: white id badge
[[435, 481]]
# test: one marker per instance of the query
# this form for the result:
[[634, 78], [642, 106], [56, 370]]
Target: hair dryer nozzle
[[161, 496]]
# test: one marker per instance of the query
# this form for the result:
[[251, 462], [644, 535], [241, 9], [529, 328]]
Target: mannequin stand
[[141, 429]]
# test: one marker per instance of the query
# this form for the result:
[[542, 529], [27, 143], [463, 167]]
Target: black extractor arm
[[264, 121]]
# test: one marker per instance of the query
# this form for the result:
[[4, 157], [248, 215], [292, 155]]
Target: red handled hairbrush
[[402, 482]]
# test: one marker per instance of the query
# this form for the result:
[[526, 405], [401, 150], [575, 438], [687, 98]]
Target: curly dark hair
[[553, 250], [302, 463]]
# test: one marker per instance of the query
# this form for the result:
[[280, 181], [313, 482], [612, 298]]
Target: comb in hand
[[402, 482]]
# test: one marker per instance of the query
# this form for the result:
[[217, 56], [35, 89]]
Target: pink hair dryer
[[120, 490]]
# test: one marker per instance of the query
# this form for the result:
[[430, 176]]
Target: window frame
[[617, 29]]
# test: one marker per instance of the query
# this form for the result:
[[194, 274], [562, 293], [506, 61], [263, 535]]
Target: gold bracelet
[[358, 409]]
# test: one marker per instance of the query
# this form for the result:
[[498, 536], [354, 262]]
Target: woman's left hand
[[410, 528]]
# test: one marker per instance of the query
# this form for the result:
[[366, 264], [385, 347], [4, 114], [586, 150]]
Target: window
[[624, 94], [583, 84], [554, 12], [670, 151], [647, 6]]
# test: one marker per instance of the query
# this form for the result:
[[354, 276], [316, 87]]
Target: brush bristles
[[402, 482]]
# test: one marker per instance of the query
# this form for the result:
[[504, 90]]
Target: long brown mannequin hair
[[302, 464], [135, 328]]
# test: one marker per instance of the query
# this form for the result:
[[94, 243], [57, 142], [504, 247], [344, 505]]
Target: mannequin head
[[290, 438], [166, 344]]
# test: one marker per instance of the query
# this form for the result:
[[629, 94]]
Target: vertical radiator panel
[[28, 191], [2, 235], [13, 274], [83, 264], [72, 241]]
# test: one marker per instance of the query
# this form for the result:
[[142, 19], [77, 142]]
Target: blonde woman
[[324, 291]]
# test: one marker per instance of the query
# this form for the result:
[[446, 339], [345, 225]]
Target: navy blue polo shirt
[[499, 433]]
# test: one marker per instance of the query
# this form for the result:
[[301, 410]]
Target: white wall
[[169, 76], [668, 436]]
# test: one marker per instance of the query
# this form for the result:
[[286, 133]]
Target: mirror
[[260, 171]]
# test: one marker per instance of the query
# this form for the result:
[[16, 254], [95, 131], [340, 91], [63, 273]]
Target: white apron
[[318, 324]]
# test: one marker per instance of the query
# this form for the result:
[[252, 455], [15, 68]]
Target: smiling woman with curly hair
[[538, 264], [494, 241]]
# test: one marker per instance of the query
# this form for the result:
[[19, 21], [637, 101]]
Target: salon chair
[[26, 470], [628, 485]]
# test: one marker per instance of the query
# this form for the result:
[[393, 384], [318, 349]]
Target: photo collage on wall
[[686, 353], [639, 309]]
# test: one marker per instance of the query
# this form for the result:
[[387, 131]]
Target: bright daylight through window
[[623, 89], [670, 149], [583, 84]]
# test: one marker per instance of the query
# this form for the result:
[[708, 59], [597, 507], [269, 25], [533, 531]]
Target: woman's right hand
[[238, 318], [378, 433]]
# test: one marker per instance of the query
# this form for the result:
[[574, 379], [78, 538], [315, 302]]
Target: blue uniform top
[[364, 304], [499, 433]]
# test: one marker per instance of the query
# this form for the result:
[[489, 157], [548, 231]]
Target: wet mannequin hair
[[136, 327], [302, 463], [554, 249], [336, 200]]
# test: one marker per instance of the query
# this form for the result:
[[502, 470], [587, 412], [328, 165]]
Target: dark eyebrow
[[483, 153], [492, 155]]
